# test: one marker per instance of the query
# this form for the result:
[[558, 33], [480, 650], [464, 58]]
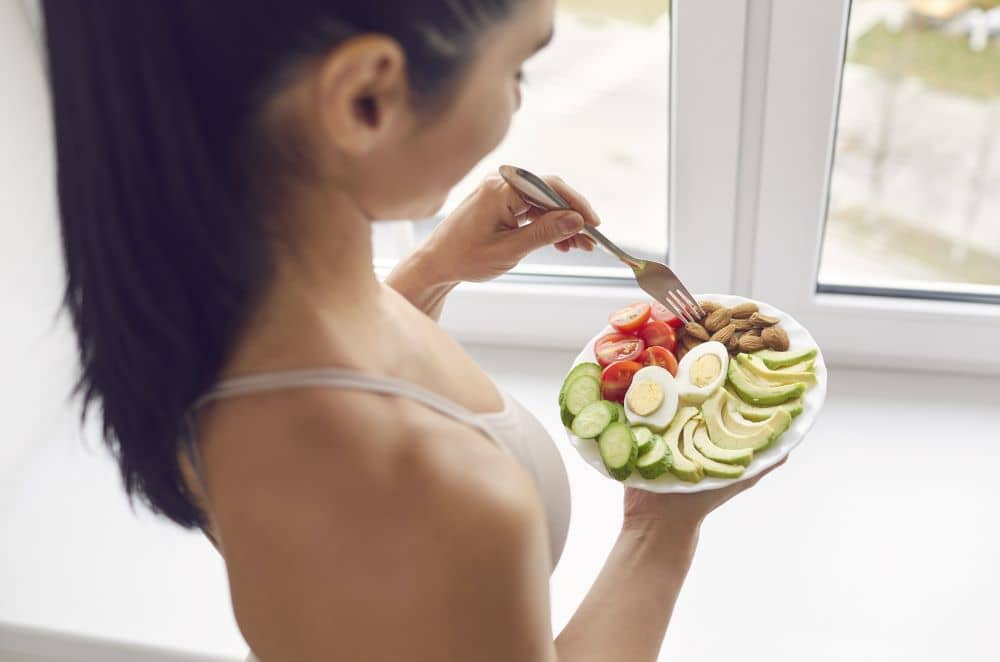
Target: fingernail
[[570, 223]]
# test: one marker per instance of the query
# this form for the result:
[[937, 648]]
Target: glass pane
[[915, 190], [595, 112]]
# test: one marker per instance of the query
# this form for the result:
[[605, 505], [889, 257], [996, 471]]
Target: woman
[[373, 494]]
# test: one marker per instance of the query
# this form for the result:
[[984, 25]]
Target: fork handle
[[534, 189]]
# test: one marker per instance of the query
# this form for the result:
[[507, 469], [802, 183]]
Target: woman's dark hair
[[155, 102]]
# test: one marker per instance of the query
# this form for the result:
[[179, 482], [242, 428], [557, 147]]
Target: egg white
[[659, 419], [695, 395]]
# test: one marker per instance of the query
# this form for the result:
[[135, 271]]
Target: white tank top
[[513, 429]]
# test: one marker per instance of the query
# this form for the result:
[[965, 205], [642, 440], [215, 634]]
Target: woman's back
[[368, 480]]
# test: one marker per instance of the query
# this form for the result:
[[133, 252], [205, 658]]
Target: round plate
[[813, 399]]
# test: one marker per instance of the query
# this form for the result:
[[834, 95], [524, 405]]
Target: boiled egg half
[[702, 371], [651, 399]]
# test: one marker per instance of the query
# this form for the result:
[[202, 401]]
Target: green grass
[[636, 11], [940, 60]]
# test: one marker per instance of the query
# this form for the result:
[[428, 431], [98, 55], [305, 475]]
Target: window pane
[[915, 190], [595, 113]]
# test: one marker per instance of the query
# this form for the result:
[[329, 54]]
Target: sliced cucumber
[[581, 392], [620, 409], [588, 369], [567, 418], [619, 450], [592, 420], [643, 437], [656, 461]]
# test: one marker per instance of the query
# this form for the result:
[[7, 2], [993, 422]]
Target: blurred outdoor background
[[915, 191], [915, 186]]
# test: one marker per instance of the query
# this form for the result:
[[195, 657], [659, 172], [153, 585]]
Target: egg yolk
[[645, 397], [705, 370]]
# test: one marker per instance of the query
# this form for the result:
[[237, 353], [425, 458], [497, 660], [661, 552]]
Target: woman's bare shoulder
[[382, 527]]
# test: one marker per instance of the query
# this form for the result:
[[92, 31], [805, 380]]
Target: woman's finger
[[575, 200]]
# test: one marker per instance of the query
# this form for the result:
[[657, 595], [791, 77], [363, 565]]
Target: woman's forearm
[[625, 614], [417, 279]]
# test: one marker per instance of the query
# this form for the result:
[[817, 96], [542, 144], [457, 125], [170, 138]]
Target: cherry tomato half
[[618, 347], [660, 356], [616, 379], [658, 334], [660, 313], [630, 318], [611, 337]]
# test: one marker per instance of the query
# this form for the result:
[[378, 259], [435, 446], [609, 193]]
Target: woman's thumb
[[551, 227]]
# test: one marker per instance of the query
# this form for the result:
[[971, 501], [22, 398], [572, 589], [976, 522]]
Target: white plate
[[813, 399]]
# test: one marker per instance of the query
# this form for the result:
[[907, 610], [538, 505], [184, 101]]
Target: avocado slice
[[682, 466], [728, 455], [711, 467], [723, 437], [777, 360], [757, 393], [737, 424], [809, 365], [751, 413], [756, 367]]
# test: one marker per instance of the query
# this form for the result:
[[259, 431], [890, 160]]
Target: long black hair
[[154, 103]]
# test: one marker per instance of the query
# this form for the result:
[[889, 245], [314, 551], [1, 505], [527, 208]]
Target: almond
[[717, 319], [750, 343], [743, 310], [709, 306], [733, 344], [775, 338], [690, 342], [680, 351], [763, 320], [753, 332], [724, 334], [696, 330], [743, 324]]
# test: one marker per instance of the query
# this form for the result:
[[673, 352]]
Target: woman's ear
[[362, 92]]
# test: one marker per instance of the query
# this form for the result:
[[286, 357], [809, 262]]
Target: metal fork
[[656, 279]]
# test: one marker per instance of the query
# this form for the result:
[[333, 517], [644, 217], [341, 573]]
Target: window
[[804, 154], [915, 189], [595, 111], [865, 307], [553, 302]]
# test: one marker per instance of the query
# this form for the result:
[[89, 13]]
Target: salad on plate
[[667, 403]]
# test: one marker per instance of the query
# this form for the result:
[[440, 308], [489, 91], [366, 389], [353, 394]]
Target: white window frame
[[804, 67]]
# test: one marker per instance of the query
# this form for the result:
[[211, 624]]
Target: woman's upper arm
[[452, 564]]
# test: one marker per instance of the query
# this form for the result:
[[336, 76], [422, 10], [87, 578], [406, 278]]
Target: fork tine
[[673, 307], [683, 312], [692, 315], [695, 308]]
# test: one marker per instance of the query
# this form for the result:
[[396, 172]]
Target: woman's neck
[[324, 297], [326, 260]]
